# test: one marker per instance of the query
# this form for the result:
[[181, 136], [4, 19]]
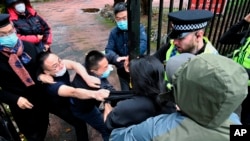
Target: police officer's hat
[[186, 21], [4, 20]]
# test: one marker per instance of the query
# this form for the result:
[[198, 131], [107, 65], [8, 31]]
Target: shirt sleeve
[[110, 48], [130, 111], [234, 34], [161, 53], [52, 89]]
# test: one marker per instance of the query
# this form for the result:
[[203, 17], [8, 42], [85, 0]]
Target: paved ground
[[74, 33]]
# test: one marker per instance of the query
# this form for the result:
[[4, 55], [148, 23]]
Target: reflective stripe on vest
[[242, 55]]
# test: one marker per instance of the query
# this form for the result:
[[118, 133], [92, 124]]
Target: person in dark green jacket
[[207, 89]]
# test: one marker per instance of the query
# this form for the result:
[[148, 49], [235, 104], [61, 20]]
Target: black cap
[[188, 21], [4, 20]]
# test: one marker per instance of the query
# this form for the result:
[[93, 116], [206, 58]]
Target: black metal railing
[[226, 13]]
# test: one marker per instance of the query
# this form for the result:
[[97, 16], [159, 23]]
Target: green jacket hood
[[208, 88]]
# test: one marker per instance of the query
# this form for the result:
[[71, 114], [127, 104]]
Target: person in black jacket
[[29, 25], [238, 36], [19, 86], [236, 33], [147, 80], [87, 110], [61, 91], [117, 49]]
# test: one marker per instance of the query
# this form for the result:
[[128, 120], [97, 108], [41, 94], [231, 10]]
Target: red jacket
[[30, 25]]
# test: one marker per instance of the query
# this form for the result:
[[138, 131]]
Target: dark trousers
[[33, 123], [79, 125], [245, 110], [124, 79], [94, 118]]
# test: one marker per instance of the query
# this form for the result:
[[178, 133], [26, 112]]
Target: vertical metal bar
[[219, 23], [159, 25], [210, 5], [149, 26], [204, 4], [227, 20], [181, 5], [189, 4], [197, 4], [171, 7], [133, 28], [214, 17], [236, 8], [245, 6], [216, 20]]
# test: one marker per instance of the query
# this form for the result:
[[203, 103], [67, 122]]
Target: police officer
[[235, 36], [187, 35]]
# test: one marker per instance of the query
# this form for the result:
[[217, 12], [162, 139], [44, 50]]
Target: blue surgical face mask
[[9, 40], [123, 25], [107, 72]]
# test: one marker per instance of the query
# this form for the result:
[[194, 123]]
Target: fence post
[[133, 28]]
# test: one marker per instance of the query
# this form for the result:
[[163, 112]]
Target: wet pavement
[[74, 34]]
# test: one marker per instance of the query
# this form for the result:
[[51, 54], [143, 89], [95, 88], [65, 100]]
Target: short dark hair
[[40, 62], [41, 58], [119, 7], [92, 59]]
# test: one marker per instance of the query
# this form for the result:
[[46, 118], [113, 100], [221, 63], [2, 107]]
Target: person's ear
[[93, 71], [46, 72], [198, 35]]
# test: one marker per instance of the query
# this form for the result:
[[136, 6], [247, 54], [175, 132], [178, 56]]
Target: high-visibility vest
[[242, 55]]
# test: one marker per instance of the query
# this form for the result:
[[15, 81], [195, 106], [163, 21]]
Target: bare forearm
[[80, 69], [84, 94]]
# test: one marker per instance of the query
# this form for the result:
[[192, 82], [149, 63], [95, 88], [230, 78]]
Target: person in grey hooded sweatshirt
[[207, 89]]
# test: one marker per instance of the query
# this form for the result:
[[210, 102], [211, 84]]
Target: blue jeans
[[94, 118]]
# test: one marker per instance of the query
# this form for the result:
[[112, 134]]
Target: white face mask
[[61, 72], [20, 7]]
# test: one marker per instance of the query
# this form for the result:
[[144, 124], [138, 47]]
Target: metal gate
[[226, 13]]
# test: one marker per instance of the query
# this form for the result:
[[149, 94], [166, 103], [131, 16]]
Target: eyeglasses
[[56, 65], [2, 33]]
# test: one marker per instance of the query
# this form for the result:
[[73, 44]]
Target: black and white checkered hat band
[[189, 27]]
